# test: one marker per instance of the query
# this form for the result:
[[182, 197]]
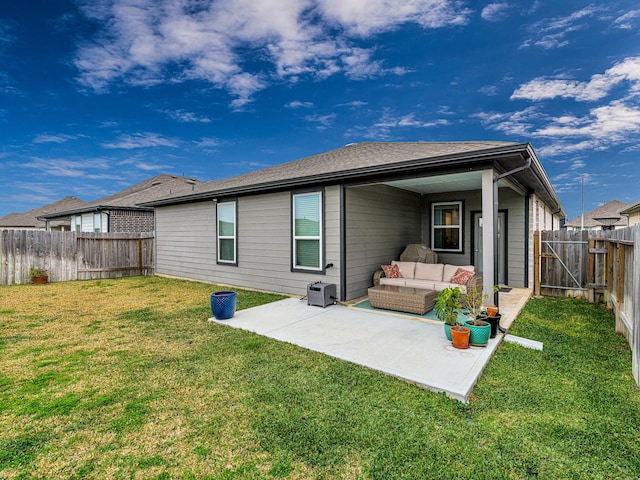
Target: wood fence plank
[[74, 256]]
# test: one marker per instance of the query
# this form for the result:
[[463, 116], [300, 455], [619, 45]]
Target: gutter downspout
[[496, 252]]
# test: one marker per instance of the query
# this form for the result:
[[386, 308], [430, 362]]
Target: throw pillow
[[461, 276], [391, 271]]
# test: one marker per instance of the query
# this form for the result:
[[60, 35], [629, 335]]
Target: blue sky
[[96, 95]]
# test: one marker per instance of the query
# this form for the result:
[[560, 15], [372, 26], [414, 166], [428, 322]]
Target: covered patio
[[403, 346]]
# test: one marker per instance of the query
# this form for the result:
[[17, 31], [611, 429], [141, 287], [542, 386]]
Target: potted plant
[[447, 307], [473, 303], [38, 275], [493, 317]]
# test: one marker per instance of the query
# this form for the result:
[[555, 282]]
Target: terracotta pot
[[492, 311], [40, 280], [460, 336]]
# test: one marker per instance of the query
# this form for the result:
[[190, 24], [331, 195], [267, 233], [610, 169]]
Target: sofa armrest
[[475, 282], [377, 276]]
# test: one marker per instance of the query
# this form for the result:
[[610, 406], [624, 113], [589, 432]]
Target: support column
[[489, 234]]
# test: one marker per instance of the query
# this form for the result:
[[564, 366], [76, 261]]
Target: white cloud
[[147, 42], [56, 138], [208, 142], [354, 104], [186, 117], [71, 168], [628, 21], [552, 32], [388, 123], [299, 104], [489, 90], [616, 123], [519, 123], [495, 12], [611, 123], [599, 86], [323, 121], [141, 140], [373, 16], [7, 36]]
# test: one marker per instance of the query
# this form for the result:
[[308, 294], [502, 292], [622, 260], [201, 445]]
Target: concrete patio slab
[[415, 351]]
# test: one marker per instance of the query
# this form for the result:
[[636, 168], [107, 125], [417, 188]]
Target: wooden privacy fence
[[74, 256], [599, 265]]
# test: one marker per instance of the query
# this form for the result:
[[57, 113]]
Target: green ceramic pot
[[479, 333], [447, 331]]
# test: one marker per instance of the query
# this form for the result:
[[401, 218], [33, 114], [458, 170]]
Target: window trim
[[97, 215], [460, 227], [219, 260], [321, 236], [78, 224]]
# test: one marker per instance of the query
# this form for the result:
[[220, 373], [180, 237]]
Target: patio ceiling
[[443, 183]]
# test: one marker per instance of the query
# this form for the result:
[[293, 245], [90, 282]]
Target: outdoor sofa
[[428, 276]]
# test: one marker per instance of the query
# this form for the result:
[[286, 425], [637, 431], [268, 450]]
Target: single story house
[[337, 216], [606, 217], [632, 212], [31, 220], [121, 212]]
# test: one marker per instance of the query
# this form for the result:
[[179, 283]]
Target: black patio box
[[321, 294]]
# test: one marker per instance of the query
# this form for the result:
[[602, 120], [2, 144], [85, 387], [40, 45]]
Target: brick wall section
[[131, 221]]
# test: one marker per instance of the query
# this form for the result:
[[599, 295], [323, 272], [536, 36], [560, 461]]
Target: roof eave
[[450, 161], [96, 208]]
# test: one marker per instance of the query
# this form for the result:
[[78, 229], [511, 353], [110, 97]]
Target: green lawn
[[127, 379]]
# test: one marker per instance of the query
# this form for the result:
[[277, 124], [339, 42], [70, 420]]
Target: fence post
[[635, 336], [620, 275], [536, 263]]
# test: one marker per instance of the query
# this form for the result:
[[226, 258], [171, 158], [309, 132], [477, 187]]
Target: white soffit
[[443, 183]]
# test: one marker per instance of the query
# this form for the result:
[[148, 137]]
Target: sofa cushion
[[429, 271], [461, 276], [407, 269], [391, 271], [398, 282], [423, 284], [450, 271]]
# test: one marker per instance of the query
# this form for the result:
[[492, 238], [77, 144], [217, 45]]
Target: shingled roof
[[353, 162], [605, 215], [153, 189], [30, 219]]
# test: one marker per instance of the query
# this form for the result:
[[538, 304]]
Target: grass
[[126, 379]]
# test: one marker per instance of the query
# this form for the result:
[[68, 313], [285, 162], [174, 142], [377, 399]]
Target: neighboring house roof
[[383, 160], [605, 215], [153, 189], [30, 219], [631, 209]]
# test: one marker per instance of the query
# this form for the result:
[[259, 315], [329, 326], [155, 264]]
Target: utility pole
[[582, 217]]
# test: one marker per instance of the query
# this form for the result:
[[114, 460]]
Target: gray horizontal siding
[[380, 222], [186, 244], [507, 200], [185, 240]]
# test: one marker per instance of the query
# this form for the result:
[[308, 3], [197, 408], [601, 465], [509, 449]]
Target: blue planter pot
[[479, 333], [223, 304]]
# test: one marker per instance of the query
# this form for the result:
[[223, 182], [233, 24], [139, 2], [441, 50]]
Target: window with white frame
[[227, 232], [307, 231], [97, 222], [446, 226], [78, 223]]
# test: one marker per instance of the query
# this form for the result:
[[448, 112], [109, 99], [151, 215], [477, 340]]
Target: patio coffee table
[[402, 299]]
